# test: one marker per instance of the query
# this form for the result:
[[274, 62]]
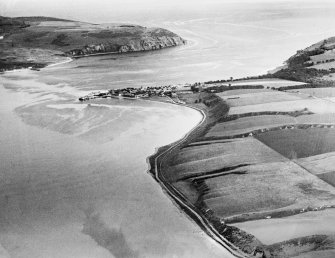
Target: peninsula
[[38, 41], [261, 161]]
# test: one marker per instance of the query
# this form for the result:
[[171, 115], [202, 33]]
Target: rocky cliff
[[146, 40]]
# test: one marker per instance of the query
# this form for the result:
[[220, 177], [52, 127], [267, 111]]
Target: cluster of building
[[133, 93]]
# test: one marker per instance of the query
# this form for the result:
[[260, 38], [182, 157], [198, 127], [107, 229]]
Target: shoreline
[[68, 60], [34, 66], [127, 52], [179, 198]]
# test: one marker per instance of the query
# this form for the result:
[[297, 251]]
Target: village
[[135, 93], [169, 91]]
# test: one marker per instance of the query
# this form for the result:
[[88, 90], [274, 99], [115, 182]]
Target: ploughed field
[[300, 143], [271, 156]]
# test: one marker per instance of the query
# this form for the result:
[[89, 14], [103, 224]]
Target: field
[[241, 91], [271, 83], [265, 187], [200, 160], [317, 92], [261, 101], [244, 176], [326, 118], [327, 55], [324, 66], [296, 226], [330, 77], [300, 143], [319, 164], [248, 124], [314, 105], [324, 61], [258, 98], [328, 177]]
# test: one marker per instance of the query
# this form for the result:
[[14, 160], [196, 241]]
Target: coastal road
[[184, 203]]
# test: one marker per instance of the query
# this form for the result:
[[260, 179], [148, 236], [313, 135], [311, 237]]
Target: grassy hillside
[[75, 39]]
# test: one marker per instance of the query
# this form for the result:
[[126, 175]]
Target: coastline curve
[[155, 161]]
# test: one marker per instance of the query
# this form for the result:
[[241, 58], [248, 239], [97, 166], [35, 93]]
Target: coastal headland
[[34, 42]]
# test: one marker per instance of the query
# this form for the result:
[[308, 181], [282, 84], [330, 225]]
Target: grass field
[[314, 105], [328, 177], [300, 143], [264, 187], [327, 55], [267, 181], [327, 118], [247, 124], [271, 83], [319, 164], [259, 98], [200, 159], [317, 92], [324, 61], [241, 91], [324, 66]]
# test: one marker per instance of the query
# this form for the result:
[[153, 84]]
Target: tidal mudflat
[[73, 176]]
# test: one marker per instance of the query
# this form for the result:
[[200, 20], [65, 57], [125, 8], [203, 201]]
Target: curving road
[[184, 203]]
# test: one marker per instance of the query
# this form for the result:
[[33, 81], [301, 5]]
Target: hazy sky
[[103, 10], [78, 9]]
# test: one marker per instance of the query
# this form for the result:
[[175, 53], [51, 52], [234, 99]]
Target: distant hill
[[38, 19], [313, 64], [69, 38]]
